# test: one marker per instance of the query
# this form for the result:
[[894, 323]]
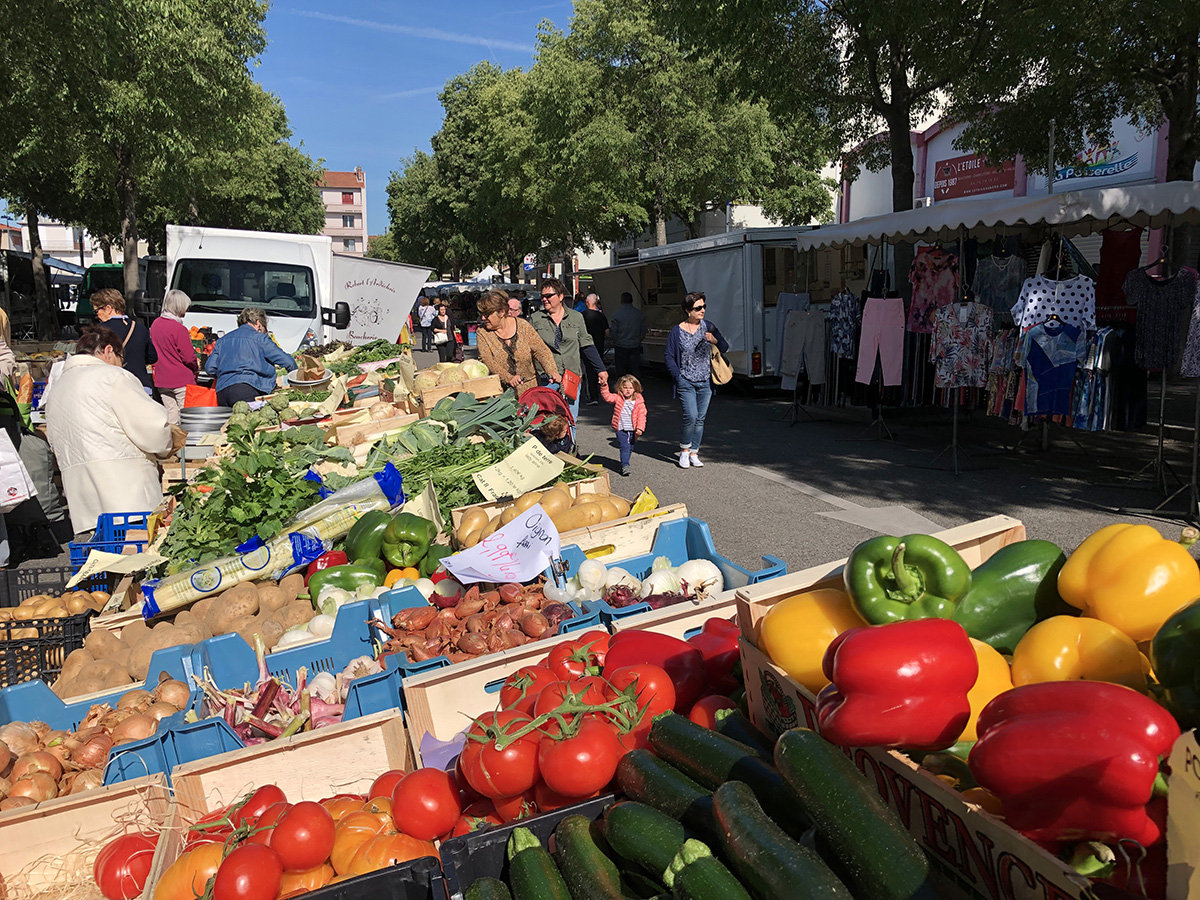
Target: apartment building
[[345, 198]]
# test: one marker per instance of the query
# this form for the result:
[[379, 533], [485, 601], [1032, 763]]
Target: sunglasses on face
[[549, 296], [700, 306]]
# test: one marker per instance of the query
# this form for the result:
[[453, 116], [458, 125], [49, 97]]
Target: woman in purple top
[[177, 364]]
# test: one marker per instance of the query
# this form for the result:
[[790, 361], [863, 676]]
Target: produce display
[[450, 373], [45, 606], [665, 585], [568, 513]]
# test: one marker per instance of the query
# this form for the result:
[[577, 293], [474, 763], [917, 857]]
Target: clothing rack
[[1191, 514]]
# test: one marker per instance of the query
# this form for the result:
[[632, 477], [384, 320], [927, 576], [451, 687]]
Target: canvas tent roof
[[1071, 212]]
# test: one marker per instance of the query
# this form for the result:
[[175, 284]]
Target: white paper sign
[[519, 551]]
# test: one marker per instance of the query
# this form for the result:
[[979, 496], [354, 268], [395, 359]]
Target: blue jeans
[[694, 395], [625, 441]]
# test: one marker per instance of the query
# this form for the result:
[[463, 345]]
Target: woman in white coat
[[105, 432]]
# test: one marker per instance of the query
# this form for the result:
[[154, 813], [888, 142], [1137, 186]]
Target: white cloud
[[431, 34], [411, 92]]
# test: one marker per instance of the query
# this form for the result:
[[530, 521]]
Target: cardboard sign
[[1183, 820], [517, 552], [529, 466], [122, 563]]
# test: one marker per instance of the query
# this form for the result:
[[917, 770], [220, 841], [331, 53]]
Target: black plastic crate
[[481, 854], [21, 584], [25, 656], [419, 879]]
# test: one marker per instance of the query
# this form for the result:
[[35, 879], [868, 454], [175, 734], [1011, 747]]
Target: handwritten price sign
[[517, 552]]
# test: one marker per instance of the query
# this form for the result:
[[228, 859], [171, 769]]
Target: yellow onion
[[135, 699], [134, 728], [6, 757], [60, 751], [39, 761], [174, 692], [16, 803], [93, 754], [20, 738], [115, 718], [85, 781], [5, 787], [41, 729], [159, 711], [38, 787]]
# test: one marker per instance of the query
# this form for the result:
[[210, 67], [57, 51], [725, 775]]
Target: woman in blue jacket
[[688, 357], [244, 360]]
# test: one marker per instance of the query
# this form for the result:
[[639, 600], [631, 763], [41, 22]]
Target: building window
[[76, 237], [348, 244], [347, 221], [347, 197]]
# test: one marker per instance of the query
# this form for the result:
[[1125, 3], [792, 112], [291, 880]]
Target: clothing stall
[[1006, 317]]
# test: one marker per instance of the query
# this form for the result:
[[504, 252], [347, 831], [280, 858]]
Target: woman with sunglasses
[[565, 333], [689, 360]]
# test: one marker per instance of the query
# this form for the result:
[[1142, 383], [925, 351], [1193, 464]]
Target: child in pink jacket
[[629, 413]]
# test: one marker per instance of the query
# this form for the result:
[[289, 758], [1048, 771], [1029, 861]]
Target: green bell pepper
[[407, 539], [375, 564], [433, 559], [1012, 591], [891, 579], [1175, 657], [346, 577], [365, 538]]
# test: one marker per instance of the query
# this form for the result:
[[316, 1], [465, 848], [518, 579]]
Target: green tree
[[423, 228]]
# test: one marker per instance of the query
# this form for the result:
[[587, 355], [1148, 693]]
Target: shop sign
[[1099, 161], [968, 176]]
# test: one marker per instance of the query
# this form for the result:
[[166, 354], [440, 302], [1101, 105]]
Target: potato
[[582, 515], [121, 658], [555, 502], [77, 604], [99, 675], [202, 608], [609, 509], [161, 636], [472, 518], [489, 528], [64, 688], [526, 500], [103, 644], [471, 538], [134, 633], [245, 627], [623, 505], [508, 515], [192, 633], [74, 663], [292, 586], [6, 614], [196, 625], [235, 603], [298, 612], [271, 630], [35, 601], [271, 598]]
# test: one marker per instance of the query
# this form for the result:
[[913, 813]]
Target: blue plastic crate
[[678, 540], [387, 605], [175, 743], [34, 700], [111, 529]]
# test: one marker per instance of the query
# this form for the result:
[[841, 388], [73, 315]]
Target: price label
[[529, 466], [517, 552]]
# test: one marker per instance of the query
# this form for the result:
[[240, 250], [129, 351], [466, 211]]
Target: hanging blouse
[[962, 335], [844, 312], [1163, 308], [997, 282], [934, 277], [1050, 352], [1072, 300]]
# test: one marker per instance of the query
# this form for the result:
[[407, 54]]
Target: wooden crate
[[350, 435], [482, 388], [681, 619], [624, 538], [598, 485], [51, 848]]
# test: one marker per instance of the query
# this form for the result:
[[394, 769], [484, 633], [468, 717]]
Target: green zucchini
[[695, 874], [589, 874], [487, 889], [642, 836], [531, 871], [873, 853], [713, 759], [733, 724], [769, 862], [646, 778]]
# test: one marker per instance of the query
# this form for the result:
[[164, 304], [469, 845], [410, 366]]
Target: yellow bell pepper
[[797, 630], [1131, 577], [994, 679], [1065, 648], [407, 574]]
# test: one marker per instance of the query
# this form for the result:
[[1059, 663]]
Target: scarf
[[172, 317]]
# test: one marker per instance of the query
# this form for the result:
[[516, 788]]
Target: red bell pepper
[[683, 662], [903, 684], [718, 643], [1075, 760], [325, 561]]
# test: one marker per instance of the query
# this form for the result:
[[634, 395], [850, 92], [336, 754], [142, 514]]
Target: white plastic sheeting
[[1072, 213], [719, 275]]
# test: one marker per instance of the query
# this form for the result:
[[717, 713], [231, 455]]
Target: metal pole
[[1050, 162]]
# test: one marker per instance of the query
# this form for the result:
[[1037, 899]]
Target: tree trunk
[[43, 311], [1179, 106], [903, 174], [106, 250], [660, 230], [127, 194]]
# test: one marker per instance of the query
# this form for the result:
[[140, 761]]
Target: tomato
[[479, 815], [380, 806], [683, 662], [340, 807], [705, 709], [266, 823], [573, 659], [588, 689], [522, 687], [500, 773], [548, 800], [637, 739], [308, 880], [387, 850], [426, 803], [385, 784], [649, 687], [303, 838], [251, 872], [210, 835], [583, 764], [469, 794], [265, 796], [122, 865], [366, 822], [187, 878], [346, 844], [518, 806]]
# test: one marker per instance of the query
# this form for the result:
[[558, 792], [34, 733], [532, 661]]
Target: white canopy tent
[[1071, 213], [485, 277]]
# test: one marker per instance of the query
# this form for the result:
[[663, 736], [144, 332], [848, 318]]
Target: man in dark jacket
[[597, 327]]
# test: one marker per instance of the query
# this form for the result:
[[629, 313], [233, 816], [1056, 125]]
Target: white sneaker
[[684, 460], [695, 460]]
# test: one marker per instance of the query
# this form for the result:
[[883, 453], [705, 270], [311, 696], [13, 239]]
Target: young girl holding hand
[[629, 413]]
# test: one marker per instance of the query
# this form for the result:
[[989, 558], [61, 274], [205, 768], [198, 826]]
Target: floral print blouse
[[961, 344], [934, 277]]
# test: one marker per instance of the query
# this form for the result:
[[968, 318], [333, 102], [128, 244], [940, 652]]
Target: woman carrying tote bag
[[689, 360]]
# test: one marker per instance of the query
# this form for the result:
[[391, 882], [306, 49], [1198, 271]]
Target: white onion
[[619, 577], [321, 626], [660, 563], [702, 576], [661, 581], [425, 586], [295, 638], [556, 594], [323, 685], [591, 575]]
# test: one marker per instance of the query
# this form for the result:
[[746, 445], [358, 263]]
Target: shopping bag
[[441, 338], [15, 484], [570, 384], [195, 395], [722, 371]]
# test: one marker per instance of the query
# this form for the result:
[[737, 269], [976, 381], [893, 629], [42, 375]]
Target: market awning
[[1071, 212]]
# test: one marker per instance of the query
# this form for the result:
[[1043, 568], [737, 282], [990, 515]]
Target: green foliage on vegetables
[[372, 352]]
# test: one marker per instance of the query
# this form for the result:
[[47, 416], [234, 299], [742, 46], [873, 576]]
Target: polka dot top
[[1073, 301]]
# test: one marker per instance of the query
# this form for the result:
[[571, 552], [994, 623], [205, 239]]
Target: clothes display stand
[[1192, 513], [953, 447]]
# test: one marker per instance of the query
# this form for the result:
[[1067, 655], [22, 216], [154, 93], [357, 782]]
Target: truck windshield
[[230, 285]]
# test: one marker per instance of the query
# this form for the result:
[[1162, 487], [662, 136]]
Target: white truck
[[310, 294], [741, 273]]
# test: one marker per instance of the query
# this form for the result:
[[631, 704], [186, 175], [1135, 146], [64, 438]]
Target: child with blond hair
[[629, 413]]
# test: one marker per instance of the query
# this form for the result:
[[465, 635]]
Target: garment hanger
[[1161, 261]]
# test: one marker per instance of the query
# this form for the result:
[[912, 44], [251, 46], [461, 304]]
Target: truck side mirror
[[338, 317]]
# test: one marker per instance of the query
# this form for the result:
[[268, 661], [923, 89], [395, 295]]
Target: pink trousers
[[882, 333]]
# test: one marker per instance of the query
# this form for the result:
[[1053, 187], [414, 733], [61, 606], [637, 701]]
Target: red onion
[[447, 593], [556, 613]]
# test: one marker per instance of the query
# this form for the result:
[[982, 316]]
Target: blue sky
[[360, 80]]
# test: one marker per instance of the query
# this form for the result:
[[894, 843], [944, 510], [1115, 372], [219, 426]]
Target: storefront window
[[780, 273]]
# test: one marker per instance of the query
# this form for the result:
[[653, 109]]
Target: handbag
[[441, 338], [198, 395], [15, 484], [570, 384], [722, 371]]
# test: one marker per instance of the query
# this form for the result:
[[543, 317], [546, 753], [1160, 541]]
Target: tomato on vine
[[494, 761]]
